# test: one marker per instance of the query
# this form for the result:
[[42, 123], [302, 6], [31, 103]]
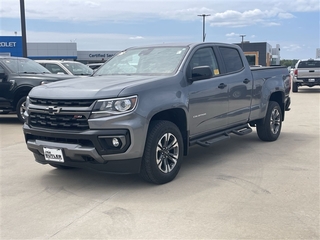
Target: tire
[[294, 87], [60, 166], [21, 108], [163, 153], [269, 128]]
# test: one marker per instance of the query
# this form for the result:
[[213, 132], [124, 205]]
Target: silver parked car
[[66, 67]]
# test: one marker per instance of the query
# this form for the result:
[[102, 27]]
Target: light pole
[[242, 36], [23, 29], [204, 24]]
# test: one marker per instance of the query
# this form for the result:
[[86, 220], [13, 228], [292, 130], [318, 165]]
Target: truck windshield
[[24, 66], [78, 68], [145, 61]]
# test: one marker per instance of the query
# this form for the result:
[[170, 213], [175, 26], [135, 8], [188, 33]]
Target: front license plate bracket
[[53, 154]]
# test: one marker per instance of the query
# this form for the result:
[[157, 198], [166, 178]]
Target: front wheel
[[269, 128], [163, 153], [21, 108]]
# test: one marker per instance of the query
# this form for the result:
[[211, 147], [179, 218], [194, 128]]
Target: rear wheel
[[294, 87], [163, 153], [21, 108], [269, 128]]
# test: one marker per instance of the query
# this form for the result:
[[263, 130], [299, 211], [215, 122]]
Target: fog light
[[115, 142]]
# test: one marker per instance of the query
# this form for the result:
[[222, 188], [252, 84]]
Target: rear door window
[[232, 59], [55, 68]]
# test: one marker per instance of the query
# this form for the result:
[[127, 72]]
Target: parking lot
[[241, 188]]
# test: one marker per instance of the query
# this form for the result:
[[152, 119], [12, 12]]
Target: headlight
[[25, 113], [44, 82], [116, 106], [27, 101]]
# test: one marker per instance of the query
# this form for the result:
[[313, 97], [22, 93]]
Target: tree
[[288, 63]]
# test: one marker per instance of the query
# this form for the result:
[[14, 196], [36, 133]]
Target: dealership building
[[12, 46], [259, 53]]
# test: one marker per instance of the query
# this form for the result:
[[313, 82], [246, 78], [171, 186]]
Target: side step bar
[[209, 140]]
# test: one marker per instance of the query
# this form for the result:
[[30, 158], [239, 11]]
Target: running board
[[209, 140]]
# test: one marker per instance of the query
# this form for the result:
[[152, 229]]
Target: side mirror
[[201, 72]]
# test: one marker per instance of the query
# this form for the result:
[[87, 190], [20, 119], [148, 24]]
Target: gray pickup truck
[[306, 73], [144, 108]]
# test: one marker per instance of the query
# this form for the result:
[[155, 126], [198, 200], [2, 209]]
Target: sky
[[109, 25]]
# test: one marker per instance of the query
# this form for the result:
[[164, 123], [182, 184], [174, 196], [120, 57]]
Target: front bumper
[[88, 149]]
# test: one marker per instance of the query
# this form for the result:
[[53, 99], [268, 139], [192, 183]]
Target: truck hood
[[44, 77], [90, 87]]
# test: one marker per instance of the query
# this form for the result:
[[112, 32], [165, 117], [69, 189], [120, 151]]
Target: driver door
[[208, 98]]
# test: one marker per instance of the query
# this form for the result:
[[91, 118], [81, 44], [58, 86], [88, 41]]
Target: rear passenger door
[[239, 81]]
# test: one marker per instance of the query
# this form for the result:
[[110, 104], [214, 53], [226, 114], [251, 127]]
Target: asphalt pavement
[[240, 188]]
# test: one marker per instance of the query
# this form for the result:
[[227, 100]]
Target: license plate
[[53, 154], [312, 80]]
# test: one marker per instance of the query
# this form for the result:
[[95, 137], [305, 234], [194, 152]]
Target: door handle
[[246, 81], [222, 86]]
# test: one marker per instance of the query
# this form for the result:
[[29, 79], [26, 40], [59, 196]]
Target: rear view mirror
[[201, 72]]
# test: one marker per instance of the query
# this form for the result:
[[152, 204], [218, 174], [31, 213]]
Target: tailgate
[[309, 73]]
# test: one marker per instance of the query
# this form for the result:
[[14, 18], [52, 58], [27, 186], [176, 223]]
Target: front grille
[[61, 103], [59, 122]]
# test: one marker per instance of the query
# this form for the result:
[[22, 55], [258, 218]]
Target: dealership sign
[[100, 55], [8, 44], [11, 45]]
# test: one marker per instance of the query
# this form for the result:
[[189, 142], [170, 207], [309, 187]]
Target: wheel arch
[[179, 118], [21, 92], [279, 98]]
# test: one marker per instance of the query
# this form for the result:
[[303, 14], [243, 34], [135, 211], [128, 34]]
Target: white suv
[[66, 67]]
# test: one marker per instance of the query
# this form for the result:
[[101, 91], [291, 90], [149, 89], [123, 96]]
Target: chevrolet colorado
[[145, 107]]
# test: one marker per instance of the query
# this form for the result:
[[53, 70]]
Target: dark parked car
[[17, 77]]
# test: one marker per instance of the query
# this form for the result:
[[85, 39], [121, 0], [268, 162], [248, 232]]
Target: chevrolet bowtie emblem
[[53, 110]]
